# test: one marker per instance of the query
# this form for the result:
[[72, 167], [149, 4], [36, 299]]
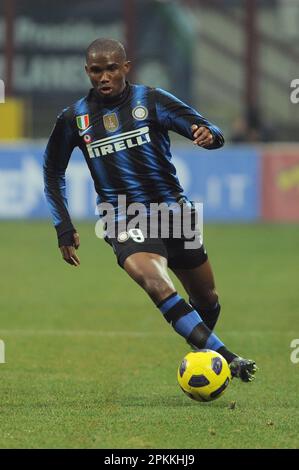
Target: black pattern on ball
[[198, 381], [217, 365], [183, 367], [220, 389]]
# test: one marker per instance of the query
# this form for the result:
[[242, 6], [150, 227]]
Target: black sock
[[229, 356], [209, 315]]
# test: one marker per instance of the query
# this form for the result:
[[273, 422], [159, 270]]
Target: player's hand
[[69, 252], [202, 136]]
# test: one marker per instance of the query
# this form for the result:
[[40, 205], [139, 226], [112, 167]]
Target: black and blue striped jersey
[[126, 146]]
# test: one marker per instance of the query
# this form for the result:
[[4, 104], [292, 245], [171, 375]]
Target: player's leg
[[149, 270], [199, 284], [195, 261], [145, 260]]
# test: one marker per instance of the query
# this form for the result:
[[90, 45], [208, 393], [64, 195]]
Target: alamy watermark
[[294, 96], [294, 357], [2, 352], [181, 219], [2, 92]]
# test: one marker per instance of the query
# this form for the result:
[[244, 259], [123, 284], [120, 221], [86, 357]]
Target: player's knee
[[158, 288], [155, 282]]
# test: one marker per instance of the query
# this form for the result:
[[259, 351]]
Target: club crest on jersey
[[140, 113], [82, 121], [111, 122], [123, 237]]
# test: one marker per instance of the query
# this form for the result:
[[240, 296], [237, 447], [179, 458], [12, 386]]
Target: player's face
[[107, 73]]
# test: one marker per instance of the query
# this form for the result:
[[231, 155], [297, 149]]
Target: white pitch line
[[134, 334], [78, 333]]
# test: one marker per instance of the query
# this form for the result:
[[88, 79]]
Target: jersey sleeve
[[61, 143], [175, 115]]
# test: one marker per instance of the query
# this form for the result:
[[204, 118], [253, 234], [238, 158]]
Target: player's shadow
[[168, 401], [128, 401]]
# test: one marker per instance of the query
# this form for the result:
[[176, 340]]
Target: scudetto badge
[[82, 121], [123, 237], [140, 113], [111, 123]]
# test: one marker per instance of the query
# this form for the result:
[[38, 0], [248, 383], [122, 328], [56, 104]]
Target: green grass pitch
[[90, 363]]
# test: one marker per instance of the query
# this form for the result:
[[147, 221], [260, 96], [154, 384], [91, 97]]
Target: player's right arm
[[58, 152]]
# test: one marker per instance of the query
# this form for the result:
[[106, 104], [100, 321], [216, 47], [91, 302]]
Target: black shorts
[[175, 250]]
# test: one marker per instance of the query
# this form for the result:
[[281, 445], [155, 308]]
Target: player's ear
[[127, 66], [86, 69]]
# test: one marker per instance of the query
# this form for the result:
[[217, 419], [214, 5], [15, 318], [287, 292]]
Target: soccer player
[[122, 131]]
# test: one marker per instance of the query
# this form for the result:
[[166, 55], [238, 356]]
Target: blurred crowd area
[[233, 60]]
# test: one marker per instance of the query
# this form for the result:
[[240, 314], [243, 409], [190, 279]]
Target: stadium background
[[232, 60]]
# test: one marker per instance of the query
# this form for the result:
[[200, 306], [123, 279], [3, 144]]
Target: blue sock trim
[[187, 323], [213, 342], [168, 304]]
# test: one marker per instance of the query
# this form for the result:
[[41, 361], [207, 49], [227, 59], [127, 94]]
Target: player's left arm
[[175, 115]]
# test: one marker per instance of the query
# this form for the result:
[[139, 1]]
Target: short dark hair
[[106, 45]]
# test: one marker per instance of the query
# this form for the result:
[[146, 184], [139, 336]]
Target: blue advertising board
[[226, 181]]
